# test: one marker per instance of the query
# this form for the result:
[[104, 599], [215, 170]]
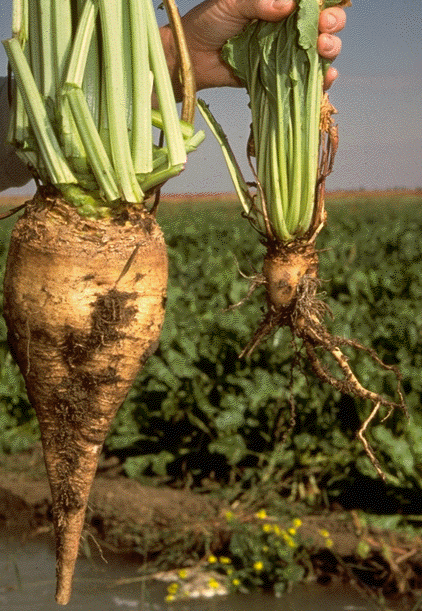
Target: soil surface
[[172, 528]]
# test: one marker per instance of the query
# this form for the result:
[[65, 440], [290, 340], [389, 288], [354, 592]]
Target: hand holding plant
[[209, 25], [291, 152]]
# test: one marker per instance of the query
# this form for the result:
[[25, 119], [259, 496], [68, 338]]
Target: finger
[[267, 10], [329, 46], [330, 77], [332, 20]]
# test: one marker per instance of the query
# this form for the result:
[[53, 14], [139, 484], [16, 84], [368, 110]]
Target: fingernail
[[331, 21], [329, 42], [281, 3]]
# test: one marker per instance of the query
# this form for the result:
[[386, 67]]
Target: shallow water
[[27, 584]]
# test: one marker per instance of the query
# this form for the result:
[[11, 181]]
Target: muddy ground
[[173, 528]]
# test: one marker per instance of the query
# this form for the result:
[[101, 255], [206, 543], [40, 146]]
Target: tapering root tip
[[64, 589], [67, 546]]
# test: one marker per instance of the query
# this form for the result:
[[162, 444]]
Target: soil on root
[[172, 528]]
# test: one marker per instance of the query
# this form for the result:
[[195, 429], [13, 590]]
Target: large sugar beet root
[[84, 305]]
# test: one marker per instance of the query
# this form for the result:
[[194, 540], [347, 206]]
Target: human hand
[[210, 24]]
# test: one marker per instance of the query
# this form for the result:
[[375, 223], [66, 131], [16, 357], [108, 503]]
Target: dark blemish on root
[[74, 406], [110, 311], [76, 397], [129, 262], [88, 277], [285, 287], [42, 336], [63, 443]]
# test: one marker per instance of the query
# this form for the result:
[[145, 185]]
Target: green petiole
[[58, 170], [235, 172], [82, 116], [164, 90], [142, 84], [112, 24], [283, 74], [96, 153]]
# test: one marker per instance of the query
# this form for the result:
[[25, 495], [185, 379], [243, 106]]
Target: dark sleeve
[[13, 171]]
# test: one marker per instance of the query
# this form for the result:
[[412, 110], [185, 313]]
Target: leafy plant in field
[[264, 554], [261, 553]]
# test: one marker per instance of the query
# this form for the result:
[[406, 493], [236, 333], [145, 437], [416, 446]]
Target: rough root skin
[[292, 298], [84, 305]]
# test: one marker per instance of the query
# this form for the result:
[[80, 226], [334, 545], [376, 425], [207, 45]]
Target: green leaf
[[398, 449], [180, 365], [229, 420], [363, 549], [307, 23], [232, 447], [294, 573], [283, 74], [157, 368]]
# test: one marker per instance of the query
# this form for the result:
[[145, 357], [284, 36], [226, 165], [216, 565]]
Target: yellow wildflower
[[173, 587], [267, 528], [324, 533], [258, 566], [182, 573], [297, 523], [224, 560], [292, 531], [236, 582], [212, 559], [261, 514], [277, 530], [229, 516], [169, 598], [288, 539], [329, 542], [213, 583]]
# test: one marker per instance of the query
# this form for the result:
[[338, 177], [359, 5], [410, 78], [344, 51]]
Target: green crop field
[[199, 416]]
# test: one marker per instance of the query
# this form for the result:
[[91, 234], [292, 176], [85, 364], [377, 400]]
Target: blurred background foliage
[[199, 417]]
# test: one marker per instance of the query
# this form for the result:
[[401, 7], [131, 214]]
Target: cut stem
[[58, 170], [164, 90], [111, 24], [141, 111]]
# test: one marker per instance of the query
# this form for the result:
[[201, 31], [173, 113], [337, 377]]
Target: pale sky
[[378, 96]]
